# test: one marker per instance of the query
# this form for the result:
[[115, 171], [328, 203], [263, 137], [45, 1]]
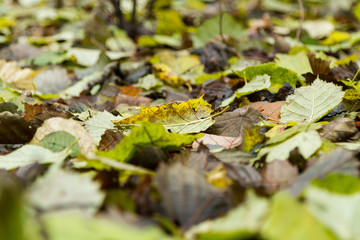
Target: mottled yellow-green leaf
[[177, 68], [182, 117], [336, 37]]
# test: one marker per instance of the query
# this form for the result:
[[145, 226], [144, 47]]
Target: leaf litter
[[179, 119]]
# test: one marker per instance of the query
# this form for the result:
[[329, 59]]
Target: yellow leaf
[[181, 117], [177, 68], [11, 73]]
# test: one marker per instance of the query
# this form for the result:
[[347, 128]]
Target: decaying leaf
[[309, 104], [184, 117], [339, 130], [186, 196], [232, 124], [14, 129]]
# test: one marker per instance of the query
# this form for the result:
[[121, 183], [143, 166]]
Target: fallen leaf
[[210, 139], [309, 104], [187, 198], [68, 125], [11, 73], [184, 117]]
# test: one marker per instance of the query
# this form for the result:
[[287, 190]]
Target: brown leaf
[[232, 124], [245, 175], [32, 110], [339, 130], [210, 139], [278, 174], [187, 198], [110, 139], [130, 90], [14, 129], [270, 110]]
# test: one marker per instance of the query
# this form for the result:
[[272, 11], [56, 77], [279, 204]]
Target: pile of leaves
[[179, 119]]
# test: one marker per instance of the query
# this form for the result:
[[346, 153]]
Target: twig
[[220, 21], [302, 18]]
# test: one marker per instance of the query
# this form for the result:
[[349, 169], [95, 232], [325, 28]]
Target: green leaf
[[259, 82], [184, 117], [340, 213], [298, 63], [242, 222], [289, 219], [307, 142], [169, 22], [60, 227], [148, 134], [339, 183], [59, 140], [309, 104], [209, 29], [30, 154], [279, 75]]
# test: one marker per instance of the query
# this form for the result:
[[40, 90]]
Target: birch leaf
[[309, 104], [184, 117]]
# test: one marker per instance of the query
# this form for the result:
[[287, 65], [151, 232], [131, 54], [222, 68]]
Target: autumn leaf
[[148, 134], [309, 104], [184, 117]]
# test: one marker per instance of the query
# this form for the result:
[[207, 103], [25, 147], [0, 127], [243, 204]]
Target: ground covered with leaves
[[183, 119]]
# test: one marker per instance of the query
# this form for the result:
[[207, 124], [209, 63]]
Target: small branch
[[302, 19], [220, 22]]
